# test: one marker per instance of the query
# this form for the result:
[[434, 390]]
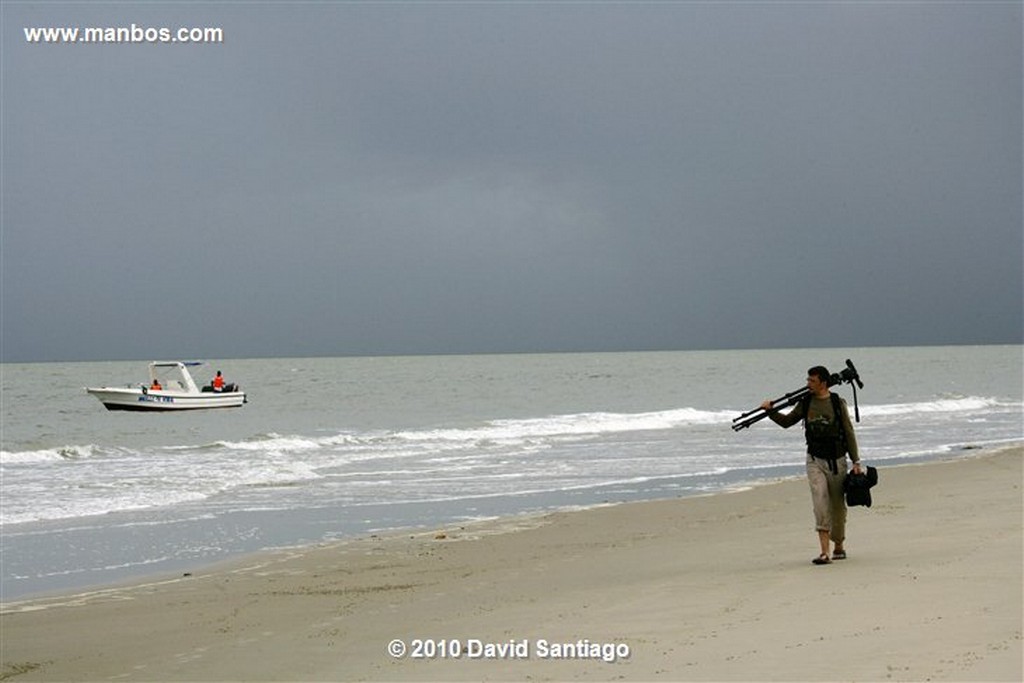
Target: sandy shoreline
[[713, 588]]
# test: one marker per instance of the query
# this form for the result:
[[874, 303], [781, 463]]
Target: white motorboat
[[170, 387]]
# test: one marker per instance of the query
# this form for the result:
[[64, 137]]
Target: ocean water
[[330, 448]]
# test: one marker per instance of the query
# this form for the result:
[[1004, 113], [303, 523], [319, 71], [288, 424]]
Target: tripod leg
[[759, 413]]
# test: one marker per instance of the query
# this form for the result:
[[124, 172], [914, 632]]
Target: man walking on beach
[[830, 437]]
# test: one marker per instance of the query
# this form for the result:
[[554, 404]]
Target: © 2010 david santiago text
[[475, 648]]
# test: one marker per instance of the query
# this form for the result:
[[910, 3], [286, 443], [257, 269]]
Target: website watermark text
[[133, 34]]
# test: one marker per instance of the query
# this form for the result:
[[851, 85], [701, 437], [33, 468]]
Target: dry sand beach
[[713, 588]]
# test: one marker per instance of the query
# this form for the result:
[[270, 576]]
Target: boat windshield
[[173, 375]]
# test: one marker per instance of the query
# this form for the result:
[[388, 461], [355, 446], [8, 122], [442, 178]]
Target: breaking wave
[[495, 457]]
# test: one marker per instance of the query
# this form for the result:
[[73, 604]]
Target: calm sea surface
[[330, 448]]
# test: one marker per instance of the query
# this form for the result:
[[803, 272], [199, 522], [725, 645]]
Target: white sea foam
[[567, 452], [55, 454], [340, 446], [947, 405]]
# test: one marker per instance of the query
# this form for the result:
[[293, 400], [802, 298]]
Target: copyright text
[[475, 648]]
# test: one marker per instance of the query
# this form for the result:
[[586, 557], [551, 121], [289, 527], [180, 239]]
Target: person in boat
[[218, 382], [155, 385]]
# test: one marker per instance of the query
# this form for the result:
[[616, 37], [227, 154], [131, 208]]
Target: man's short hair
[[821, 372]]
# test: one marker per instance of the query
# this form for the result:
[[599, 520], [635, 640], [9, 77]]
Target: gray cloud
[[424, 178]]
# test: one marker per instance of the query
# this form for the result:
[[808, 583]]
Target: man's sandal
[[839, 555], [822, 559]]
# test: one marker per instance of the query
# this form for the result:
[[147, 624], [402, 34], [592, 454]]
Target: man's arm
[[851, 436], [784, 421]]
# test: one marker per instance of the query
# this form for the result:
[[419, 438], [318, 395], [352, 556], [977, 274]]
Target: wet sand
[[713, 588]]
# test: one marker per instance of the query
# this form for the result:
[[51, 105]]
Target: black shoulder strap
[[837, 411]]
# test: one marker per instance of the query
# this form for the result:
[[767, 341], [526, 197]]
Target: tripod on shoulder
[[849, 375]]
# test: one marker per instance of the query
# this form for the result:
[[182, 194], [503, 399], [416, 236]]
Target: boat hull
[[150, 401]]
